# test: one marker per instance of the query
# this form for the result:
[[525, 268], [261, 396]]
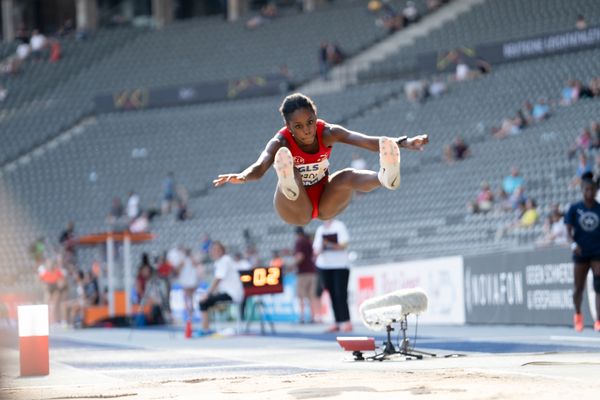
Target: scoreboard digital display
[[262, 280]]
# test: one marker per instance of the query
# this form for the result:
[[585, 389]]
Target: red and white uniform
[[313, 167]]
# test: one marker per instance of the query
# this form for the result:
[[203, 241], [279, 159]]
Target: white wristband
[[573, 246]]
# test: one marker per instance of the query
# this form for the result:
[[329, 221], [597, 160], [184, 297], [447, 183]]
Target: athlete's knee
[[597, 283]]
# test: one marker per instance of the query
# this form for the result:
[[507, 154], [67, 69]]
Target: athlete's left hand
[[416, 142]]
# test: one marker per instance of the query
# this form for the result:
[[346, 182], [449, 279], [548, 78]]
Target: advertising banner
[[529, 287], [441, 278], [144, 98]]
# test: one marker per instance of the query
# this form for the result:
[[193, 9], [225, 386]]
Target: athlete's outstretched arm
[[338, 133], [256, 170]]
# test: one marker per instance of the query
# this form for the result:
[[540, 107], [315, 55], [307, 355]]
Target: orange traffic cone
[[188, 329]]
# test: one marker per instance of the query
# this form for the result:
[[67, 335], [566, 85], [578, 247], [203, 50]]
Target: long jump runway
[[300, 362]]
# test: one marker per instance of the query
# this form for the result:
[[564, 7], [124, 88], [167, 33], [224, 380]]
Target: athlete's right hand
[[229, 178]]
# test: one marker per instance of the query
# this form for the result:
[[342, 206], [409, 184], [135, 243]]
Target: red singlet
[[313, 167]]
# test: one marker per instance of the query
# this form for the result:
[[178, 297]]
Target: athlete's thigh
[[335, 198]]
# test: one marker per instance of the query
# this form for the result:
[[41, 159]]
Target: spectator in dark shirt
[[456, 151], [306, 288]]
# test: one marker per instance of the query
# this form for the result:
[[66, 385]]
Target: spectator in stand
[[182, 203], [140, 224], [416, 90], [433, 5], [437, 87], [116, 212], [67, 29], [306, 286], [595, 86], [555, 231], [583, 143], [410, 13], [596, 169], [38, 44], [527, 219], [335, 55], [3, 93], [484, 201], [513, 181], [169, 192], [456, 151], [584, 166], [55, 51], [580, 22], [595, 132], [133, 205], [510, 126], [323, 64], [226, 285], [205, 243], [268, 12], [526, 113], [67, 240], [463, 72], [23, 51], [38, 250], [515, 200], [541, 110]]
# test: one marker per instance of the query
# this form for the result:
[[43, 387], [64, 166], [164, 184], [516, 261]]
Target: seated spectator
[[527, 219], [456, 151], [595, 132], [140, 224], [513, 181], [410, 13], [463, 72], [526, 112], [226, 285], [23, 51], [510, 126], [415, 91], [555, 231], [580, 22], [11, 65], [437, 87], [595, 86], [133, 205], [483, 66], [116, 213], [335, 55], [484, 201], [67, 29], [38, 43], [567, 94], [541, 110], [583, 166], [169, 193], [583, 143], [55, 51], [267, 13], [514, 201]]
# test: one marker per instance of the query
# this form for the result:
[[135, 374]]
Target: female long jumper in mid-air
[[300, 154]]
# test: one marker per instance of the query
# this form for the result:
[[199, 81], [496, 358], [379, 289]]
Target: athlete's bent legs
[[299, 210], [341, 187]]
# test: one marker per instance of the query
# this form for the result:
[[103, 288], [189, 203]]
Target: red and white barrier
[[33, 340]]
